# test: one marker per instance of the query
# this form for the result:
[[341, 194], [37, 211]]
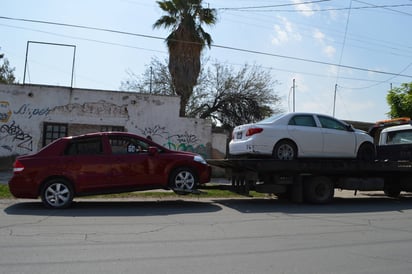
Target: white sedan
[[299, 135]]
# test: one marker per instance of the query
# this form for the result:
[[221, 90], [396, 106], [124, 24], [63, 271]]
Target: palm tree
[[186, 42]]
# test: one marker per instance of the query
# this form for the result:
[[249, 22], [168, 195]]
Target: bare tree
[[156, 79], [227, 96], [232, 97]]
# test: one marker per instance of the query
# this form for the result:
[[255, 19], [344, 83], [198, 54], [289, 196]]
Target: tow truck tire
[[318, 190], [392, 187], [393, 192]]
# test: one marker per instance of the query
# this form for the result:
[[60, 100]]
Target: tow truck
[[315, 180]]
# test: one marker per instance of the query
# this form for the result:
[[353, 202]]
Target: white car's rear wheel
[[285, 150]]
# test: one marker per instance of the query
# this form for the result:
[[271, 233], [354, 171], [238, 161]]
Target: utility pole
[[294, 95], [334, 99], [151, 79]]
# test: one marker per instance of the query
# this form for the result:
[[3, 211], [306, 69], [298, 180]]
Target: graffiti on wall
[[156, 131], [25, 110], [15, 140], [101, 108], [18, 126], [12, 134], [5, 111], [28, 111], [186, 142], [181, 141]]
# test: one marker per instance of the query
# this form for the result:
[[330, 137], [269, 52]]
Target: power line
[[386, 8], [394, 47], [84, 39], [341, 56], [344, 40], [214, 45], [81, 27], [380, 82], [310, 61], [273, 6], [165, 52], [370, 6]]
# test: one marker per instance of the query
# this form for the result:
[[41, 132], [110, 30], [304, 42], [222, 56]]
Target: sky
[[343, 55]]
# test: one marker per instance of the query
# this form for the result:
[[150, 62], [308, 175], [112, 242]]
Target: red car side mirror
[[153, 151]]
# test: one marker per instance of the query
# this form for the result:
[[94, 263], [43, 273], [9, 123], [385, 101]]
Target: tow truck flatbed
[[314, 180]]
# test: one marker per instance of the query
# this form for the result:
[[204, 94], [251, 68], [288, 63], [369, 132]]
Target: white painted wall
[[24, 109]]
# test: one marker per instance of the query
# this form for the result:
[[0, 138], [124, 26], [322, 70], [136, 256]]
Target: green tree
[[6, 72], [400, 101], [185, 42]]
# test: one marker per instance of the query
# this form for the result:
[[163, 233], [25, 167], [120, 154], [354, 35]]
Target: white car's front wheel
[[366, 152]]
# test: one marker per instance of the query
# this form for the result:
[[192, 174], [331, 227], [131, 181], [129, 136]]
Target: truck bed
[[349, 167], [314, 180]]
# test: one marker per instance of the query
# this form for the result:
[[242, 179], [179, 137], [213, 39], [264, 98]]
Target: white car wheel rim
[[285, 152]]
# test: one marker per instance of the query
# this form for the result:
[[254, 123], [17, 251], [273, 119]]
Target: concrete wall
[[25, 109]]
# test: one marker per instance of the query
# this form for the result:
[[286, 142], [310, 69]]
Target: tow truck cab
[[393, 139]]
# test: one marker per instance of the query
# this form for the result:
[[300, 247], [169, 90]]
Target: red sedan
[[105, 162]]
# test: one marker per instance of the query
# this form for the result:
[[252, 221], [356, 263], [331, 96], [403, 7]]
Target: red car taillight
[[253, 131], [18, 166]]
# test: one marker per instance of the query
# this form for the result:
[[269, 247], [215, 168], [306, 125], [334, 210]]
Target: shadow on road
[[338, 206], [85, 208], [115, 208]]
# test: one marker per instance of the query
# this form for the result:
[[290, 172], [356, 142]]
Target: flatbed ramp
[[314, 180]]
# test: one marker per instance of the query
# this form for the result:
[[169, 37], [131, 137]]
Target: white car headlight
[[200, 159]]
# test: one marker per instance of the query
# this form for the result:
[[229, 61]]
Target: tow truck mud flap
[[240, 185], [243, 182]]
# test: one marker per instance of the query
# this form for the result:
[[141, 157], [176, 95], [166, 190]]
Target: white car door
[[304, 131], [338, 141]]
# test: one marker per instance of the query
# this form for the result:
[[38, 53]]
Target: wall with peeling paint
[[25, 108]]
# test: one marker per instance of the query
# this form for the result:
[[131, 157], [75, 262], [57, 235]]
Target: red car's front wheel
[[183, 180]]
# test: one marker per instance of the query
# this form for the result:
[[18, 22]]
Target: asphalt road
[[366, 234]]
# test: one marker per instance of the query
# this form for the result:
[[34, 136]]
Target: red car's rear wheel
[[57, 193]]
